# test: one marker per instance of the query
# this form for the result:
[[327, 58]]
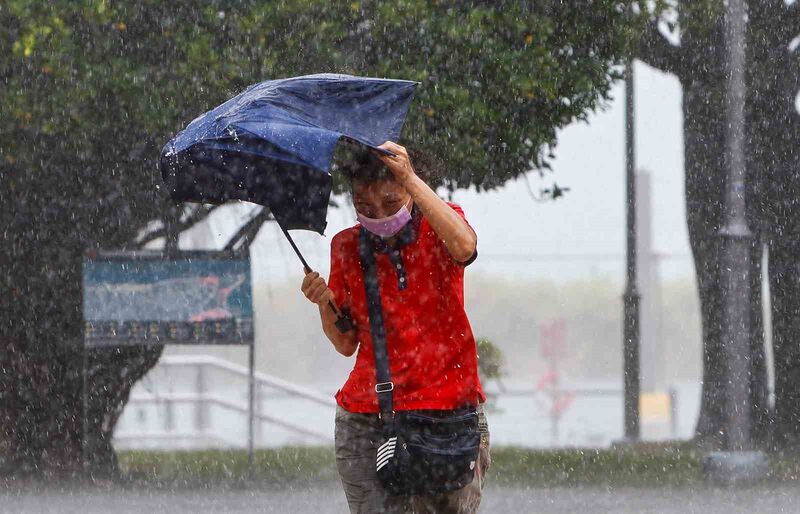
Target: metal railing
[[201, 399], [201, 402]]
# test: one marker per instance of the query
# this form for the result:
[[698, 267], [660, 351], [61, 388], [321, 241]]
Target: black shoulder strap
[[384, 387]]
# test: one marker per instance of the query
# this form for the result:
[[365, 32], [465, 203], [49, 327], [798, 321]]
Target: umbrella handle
[[344, 323]]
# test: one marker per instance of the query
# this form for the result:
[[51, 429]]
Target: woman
[[421, 246]]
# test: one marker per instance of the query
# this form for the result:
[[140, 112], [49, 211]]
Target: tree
[[698, 61], [92, 89]]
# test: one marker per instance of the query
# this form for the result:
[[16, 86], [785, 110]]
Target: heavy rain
[[399, 256]]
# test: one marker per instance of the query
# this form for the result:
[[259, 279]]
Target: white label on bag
[[385, 452]]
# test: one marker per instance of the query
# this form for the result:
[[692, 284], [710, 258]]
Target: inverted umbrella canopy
[[273, 144]]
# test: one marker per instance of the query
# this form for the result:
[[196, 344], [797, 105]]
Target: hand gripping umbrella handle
[[344, 323]]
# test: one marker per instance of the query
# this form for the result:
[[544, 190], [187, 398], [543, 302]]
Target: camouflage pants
[[357, 440]]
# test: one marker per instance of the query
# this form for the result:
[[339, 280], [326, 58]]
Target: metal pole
[[673, 412], [736, 243], [631, 297], [259, 432], [251, 410], [201, 416], [169, 409], [736, 463], [84, 408]]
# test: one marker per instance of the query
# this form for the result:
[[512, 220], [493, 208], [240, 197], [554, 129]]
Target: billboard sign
[[145, 297]]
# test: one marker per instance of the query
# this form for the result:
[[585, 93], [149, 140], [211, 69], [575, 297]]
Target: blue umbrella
[[273, 144]]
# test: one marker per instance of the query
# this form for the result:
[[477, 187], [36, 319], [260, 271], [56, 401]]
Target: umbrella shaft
[[306, 267]]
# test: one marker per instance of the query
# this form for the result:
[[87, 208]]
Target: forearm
[[451, 228], [344, 343]]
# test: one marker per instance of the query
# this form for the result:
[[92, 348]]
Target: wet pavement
[[328, 498]]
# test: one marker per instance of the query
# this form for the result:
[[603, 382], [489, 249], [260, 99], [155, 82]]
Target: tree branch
[[195, 217], [792, 19], [654, 49], [172, 231], [247, 233]]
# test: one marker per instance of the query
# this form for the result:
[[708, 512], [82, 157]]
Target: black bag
[[421, 452]]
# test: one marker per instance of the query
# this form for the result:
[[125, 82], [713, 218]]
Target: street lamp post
[[738, 461], [631, 296]]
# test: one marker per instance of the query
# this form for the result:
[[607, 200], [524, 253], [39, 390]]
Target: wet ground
[[328, 498]]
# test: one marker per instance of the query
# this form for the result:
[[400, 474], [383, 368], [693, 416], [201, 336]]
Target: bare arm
[[458, 236], [318, 292]]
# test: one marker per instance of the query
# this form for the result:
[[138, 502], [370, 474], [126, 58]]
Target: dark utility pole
[[736, 242], [737, 462], [630, 344]]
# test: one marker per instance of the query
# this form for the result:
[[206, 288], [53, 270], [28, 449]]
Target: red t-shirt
[[432, 353]]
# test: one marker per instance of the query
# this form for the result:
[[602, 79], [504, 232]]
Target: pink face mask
[[388, 226]]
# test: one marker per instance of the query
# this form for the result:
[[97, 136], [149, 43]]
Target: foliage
[[497, 79], [490, 360], [643, 465], [671, 464], [225, 467]]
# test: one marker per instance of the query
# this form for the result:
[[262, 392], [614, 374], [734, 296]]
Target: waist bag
[[420, 452]]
